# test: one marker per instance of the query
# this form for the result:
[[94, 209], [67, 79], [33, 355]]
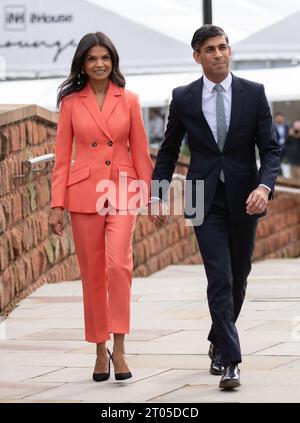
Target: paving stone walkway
[[43, 357]]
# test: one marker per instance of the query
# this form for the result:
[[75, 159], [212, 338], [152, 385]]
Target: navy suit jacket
[[250, 126]]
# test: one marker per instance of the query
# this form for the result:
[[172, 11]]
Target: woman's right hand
[[57, 220]]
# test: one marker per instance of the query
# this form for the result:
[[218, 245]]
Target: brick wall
[[31, 255], [278, 236]]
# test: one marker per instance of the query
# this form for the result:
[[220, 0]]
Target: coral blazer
[[111, 147]]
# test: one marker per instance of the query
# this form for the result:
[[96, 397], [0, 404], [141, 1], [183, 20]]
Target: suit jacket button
[[107, 162], [110, 143], [94, 144]]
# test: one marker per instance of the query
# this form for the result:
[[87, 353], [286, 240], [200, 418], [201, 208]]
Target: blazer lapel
[[236, 108], [112, 98], [110, 101], [196, 104]]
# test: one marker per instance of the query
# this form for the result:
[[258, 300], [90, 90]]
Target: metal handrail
[[29, 166]]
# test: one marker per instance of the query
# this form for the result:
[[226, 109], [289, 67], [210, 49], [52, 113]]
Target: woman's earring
[[79, 80], [82, 71]]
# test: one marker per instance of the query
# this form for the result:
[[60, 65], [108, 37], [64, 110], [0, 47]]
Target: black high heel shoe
[[101, 377], [119, 376]]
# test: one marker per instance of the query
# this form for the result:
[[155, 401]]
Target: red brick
[[146, 248], [23, 137], [8, 287], [4, 142], [4, 252], [141, 271], [14, 138], [35, 133], [38, 262], [163, 260], [5, 178], [147, 226], [43, 225], [17, 210], [21, 275], [10, 282], [2, 220], [29, 132], [6, 204], [28, 270], [138, 254], [42, 132], [51, 132], [37, 228], [17, 240], [153, 265], [25, 201], [42, 193]]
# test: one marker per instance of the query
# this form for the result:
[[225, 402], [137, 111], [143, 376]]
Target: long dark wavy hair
[[77, 80]]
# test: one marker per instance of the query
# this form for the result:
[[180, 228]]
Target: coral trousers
[[103, 245]]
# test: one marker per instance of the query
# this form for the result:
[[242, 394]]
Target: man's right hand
[[57, 220], [157, 213]]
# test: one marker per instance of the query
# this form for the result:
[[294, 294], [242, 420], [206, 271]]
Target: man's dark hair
[[204, 33]]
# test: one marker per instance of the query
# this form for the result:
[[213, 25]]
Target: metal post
[[207, 11]]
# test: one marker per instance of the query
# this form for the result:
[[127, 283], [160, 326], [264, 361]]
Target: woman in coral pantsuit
[[103, 121]]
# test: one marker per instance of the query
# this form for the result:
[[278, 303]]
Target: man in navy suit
[[224, 118]]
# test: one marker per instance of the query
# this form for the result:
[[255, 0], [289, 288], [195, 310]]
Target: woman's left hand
[[57, 220]]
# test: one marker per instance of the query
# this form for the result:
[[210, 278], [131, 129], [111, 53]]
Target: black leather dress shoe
[[230, 378], [216, 365]]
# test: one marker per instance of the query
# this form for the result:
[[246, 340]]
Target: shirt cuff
[[263, 185], [154, 199]]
